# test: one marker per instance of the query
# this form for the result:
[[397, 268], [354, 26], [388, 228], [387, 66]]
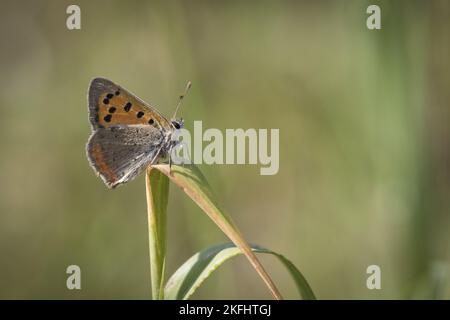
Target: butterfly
[[128, 135]]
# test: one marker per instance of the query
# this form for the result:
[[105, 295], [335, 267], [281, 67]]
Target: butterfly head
[[177, 123]]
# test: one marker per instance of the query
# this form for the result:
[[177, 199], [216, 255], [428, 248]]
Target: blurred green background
[[364, 143]]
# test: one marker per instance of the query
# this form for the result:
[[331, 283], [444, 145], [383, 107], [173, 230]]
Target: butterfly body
[[127, 136]]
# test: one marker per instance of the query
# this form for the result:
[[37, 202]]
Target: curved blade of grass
[[193, 183], [157, 192], [185, 281]]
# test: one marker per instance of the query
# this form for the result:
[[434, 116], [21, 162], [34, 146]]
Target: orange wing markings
[[99, 160], [122, 108]]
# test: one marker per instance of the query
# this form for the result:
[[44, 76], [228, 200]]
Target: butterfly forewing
[[110, 104]]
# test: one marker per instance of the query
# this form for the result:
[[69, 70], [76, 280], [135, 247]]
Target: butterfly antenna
[[188, 86]]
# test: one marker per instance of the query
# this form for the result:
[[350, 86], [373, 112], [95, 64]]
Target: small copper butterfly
[[128, 135]]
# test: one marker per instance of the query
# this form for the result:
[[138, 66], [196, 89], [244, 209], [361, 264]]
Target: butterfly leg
[[156, 156], [184, 162], [170, 161]]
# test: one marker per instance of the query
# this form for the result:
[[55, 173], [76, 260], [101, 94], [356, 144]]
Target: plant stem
[[157, 190], [190, 176]]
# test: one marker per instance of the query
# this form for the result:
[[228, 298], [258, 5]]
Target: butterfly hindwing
[[120, 153], [110, 104]]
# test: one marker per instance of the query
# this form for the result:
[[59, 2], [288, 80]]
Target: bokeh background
[[364, 143]]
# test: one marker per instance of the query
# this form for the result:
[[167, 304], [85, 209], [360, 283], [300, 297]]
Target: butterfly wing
[[111, 104], [119, 153]]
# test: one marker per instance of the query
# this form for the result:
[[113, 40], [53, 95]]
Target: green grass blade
[[185, 281], [157, 191], [193, 183]]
